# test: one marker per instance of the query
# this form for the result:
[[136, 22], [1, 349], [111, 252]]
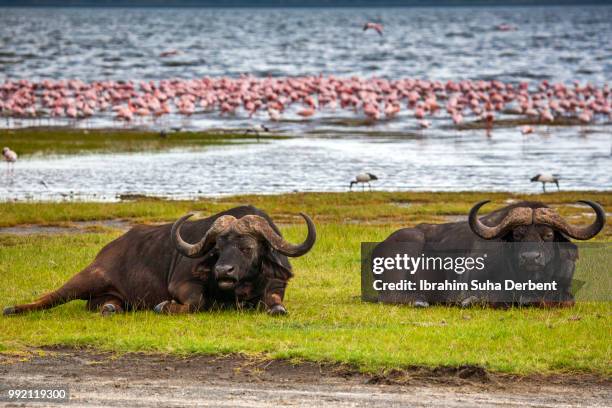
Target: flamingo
[[274, 114], [9, 156], [419, 113], [424, 124], [457, 118], [585, 117], [374, 26], [306, 113], [375, 97], [526, 130]]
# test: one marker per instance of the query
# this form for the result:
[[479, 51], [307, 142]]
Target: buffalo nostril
[[531, 257], [224, 270]]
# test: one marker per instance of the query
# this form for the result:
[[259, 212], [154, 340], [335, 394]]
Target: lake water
[[466, 162], [554, 43]]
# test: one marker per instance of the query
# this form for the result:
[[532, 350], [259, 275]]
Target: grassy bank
[[327, 320], [375, 208], [34, 141]]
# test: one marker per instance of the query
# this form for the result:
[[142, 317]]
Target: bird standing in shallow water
[[363, 178], [526, 130], [257, 129], [546, 178], [9, 156]]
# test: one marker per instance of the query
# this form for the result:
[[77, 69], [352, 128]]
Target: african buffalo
[[240, 259], [523, 241]]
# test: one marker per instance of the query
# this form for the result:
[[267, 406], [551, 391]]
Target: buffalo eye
[[517, 235], [548, 236], [246, 250]]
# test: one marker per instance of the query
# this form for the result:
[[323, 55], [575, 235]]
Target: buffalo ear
[[203, 269], [272, 266], [567, 249]]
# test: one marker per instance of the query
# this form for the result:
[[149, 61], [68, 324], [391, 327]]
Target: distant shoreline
[[297, 5]]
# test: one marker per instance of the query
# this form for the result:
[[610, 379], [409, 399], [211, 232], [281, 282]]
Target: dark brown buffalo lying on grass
[[240, 259], [529, 241]]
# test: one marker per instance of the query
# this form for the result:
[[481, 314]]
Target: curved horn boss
[[548, 216], [243, 264], [260, 226], [199, 249], [515, 217]]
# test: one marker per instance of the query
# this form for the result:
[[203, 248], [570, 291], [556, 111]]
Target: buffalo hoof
[[277, 310], [160, 308], [108, 310], [420, 303], [9, 311]]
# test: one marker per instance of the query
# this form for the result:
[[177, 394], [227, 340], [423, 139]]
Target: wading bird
[[424, 124], [306, 96], [373, 26], [257, 129], [546, 178], [363, 178], [9, 156], [306, 113], [526, 130]]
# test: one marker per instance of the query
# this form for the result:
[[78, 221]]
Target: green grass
[[373, 208], [33, 141], [327, 320]]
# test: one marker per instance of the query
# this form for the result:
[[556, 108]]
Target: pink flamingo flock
[[374, 98]]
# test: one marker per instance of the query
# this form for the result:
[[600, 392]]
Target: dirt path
[[136, 380]]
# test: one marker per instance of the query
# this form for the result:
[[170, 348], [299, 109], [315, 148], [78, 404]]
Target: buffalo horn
[[258, 225], [199, 249], [515, 217], [548, 216]]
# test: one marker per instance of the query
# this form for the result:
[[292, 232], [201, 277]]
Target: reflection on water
[[469, 161]]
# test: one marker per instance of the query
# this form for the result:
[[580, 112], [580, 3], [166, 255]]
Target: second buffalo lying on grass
[[525, 242], [240, 260]]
